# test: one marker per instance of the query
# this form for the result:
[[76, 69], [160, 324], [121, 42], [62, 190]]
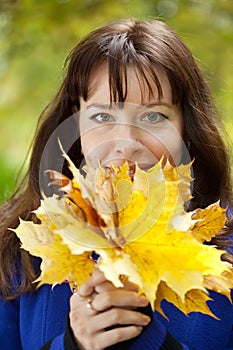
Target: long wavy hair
[[145, 45]]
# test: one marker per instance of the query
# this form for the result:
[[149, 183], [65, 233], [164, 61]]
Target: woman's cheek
[[168, 147], [94, 149]]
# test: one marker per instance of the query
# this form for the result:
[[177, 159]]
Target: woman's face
[[141, 130]]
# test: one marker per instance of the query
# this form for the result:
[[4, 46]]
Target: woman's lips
[[132, 167]]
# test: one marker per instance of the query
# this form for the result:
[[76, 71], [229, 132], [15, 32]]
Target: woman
[[136, 94]]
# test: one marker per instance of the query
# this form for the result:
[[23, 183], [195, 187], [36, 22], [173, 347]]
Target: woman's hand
[[102, 315]]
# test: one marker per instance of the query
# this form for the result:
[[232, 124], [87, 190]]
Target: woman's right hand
[[102, 315]]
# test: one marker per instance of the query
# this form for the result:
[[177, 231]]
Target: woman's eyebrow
[[156, 103], [107, 106], [99, 106]]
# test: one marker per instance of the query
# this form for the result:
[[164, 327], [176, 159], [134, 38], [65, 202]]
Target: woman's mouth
[[142, 166], [132, 169], [132, 166]]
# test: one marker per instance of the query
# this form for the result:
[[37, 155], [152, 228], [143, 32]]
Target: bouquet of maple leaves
[[138, 227]]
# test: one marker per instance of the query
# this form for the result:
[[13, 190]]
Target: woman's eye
[[154, 117], [102, 117]]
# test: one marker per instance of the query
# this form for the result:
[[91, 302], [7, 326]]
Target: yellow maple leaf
[[59, 265], [138, 226], [208, 221], [176, 258], [76, 233], [145, 206], [221, 284], [166, 254], [72, 189], [194, 301]]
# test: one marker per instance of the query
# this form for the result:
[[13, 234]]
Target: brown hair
[[143, 44]]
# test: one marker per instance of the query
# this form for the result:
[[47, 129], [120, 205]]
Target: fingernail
[[139, 328], [145, 319], [143, 301]]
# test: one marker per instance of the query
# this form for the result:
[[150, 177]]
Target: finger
[[83, 325], [81, 316], [76, 303], [131, 286], [118, 316], [108, 286], [118, 298], [117, 335], [88, 288], [111, 337]]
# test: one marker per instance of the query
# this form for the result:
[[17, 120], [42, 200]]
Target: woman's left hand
[[103, 315]]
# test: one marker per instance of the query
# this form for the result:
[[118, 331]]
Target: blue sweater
[[32, 320]]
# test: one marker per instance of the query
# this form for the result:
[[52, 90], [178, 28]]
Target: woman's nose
[[126, 140]]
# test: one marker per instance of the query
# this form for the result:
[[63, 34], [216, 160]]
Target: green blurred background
[[36, 36]]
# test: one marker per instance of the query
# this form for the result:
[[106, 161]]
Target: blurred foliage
[[35, 37]]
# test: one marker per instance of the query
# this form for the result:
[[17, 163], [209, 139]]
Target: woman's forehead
[[138, 86]]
